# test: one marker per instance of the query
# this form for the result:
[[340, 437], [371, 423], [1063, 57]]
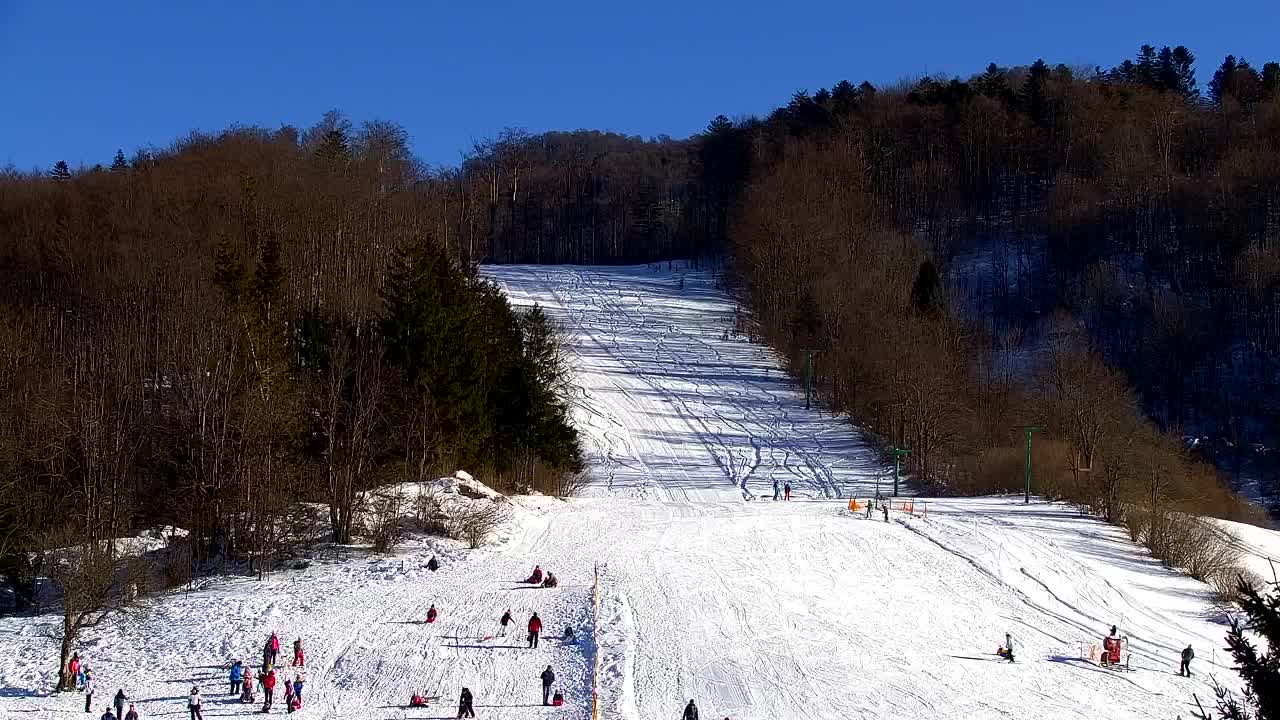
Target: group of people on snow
[[537, 578], [243, 682], [1112, 645], [786, 493]]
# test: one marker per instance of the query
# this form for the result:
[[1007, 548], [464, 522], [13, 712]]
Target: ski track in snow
[[756, 609]]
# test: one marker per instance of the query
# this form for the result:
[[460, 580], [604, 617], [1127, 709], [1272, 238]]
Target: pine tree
[[1034, 101], [118, 164], [844, 97], [1146, 70], [1270, 80], [1260, 671], [1184, 64], [993, 83], [926, 291], [60, 171], [334, 148]]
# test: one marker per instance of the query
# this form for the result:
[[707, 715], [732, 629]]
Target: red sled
[[557, 703]]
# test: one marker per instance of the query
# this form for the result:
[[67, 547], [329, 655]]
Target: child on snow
[[558, 699], [132, 714], [246, 687], [298, 658], [193, 704], [297, 689], [288, 695], [236, 676], [88, 690], [431, 614], [417, 701], [506, 620]]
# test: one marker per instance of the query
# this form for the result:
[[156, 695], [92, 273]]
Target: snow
[[708, 589]]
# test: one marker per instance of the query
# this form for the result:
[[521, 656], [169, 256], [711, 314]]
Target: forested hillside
[[215, 332]]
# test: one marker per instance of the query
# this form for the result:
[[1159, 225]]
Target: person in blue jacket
[[237, 675]]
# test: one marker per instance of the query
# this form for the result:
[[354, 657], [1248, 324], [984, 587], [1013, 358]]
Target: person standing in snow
[[73, 670], [268, 689], [1008, 647], [535, 628], [298, 657], [246, 688], [775, 489], [1187, 656], [786, 492], [132, 714], [464, 704], [548, 678], [506, 620], [297, 689], [288, 696], [274, 644], [88, 691], [236, 676], [690, 711], [193, 704], [106, 715], [119, 702]]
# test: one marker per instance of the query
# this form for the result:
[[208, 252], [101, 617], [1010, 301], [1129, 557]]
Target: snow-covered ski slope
[[757, 609], [673, 404]]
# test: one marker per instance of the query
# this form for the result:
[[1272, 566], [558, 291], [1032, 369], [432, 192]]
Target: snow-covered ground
[[709, 590]]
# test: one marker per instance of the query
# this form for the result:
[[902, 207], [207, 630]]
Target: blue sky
[[79, 79]]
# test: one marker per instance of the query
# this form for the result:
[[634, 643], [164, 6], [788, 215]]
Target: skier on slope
[[690, 711], [548, 678], [431, 614], [535, 628], [464, 704], [506, 620]]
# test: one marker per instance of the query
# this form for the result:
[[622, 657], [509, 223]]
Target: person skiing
[[1187, 656], [298, 657], [431, 614], [786, 492], [236, 677], [506, 620], [535, 628], [297, 689], [548, 678], [433, 564], [775, 489], [557, 699], [193, 704], [690, 711], [464, 704], [119, 702], [288, 695], [88, 690], [132, 714], [536, 577], [268, 689]]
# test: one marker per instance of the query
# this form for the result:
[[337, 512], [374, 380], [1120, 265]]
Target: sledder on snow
[[551, 581], [1006, 650], [536, 577], [431, 614]]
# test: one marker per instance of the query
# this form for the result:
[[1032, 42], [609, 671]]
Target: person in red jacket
[[431, 614], [298, 658], [268, 689], [535, 628], [536, 577]]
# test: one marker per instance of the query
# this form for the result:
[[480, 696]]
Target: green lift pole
[[1026, 494], [808, 380], [897, 466]]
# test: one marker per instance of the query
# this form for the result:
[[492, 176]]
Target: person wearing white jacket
[[194, 704]]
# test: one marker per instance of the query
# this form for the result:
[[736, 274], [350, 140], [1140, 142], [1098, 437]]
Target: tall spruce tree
[[60, 171], [1260, 669], [118, 164]]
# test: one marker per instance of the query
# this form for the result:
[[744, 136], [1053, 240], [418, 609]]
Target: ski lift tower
[[1026, 492], [897, 453]]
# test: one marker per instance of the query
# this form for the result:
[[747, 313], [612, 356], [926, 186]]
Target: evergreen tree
[[926, 291], [1270, 80], [1259, 670], [60, 171], [1184, 65], [118, 164], [1238, 80], [1146, 70], [993, 83], [1034, 101], [334, 148], [844, 97]]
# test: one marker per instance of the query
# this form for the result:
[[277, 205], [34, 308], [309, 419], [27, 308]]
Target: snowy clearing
[[756, 609]]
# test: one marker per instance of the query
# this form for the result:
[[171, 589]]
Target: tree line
[[223, 334]]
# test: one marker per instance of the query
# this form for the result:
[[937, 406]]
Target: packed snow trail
[[758, 610], [673, 404]]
